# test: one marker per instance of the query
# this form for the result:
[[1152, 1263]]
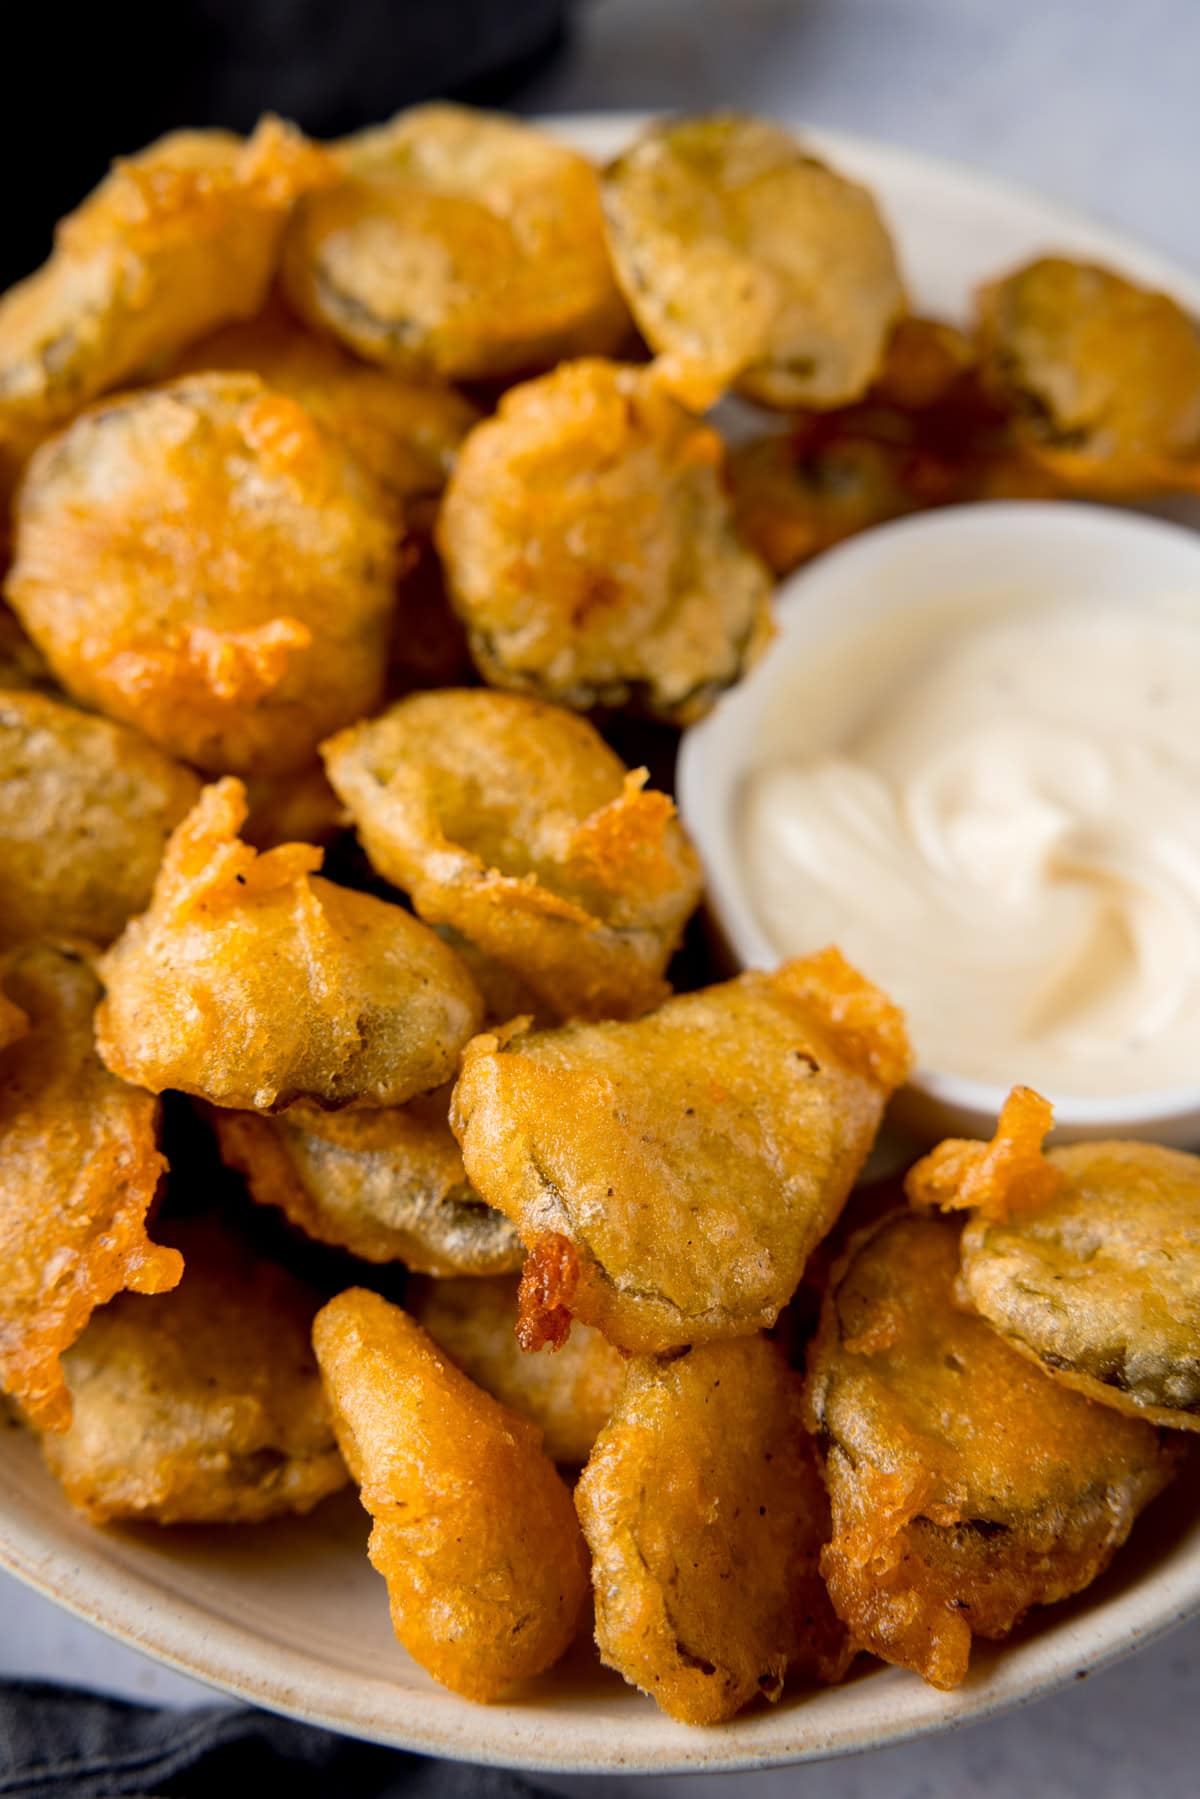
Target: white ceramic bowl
[[938, 566], [291, 1615]]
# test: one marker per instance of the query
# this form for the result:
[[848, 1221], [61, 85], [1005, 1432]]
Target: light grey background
[[1095, 102]]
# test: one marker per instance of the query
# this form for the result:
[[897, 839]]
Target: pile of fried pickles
[[341, 483]]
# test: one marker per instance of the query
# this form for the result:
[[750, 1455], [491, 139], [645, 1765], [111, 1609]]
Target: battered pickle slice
[[966, 1486], [1103, 375], [22, 665], [13, 1022], [671, 1176], [748, 261], [925, 365], [589, 548], [513, 822], [458, 243], [174, 242], [505, 994], [300, 807], [797, 494], [927, 433], [705, 1514], [203, 561], [474, 1532], [79, 1172], [405, 432], [568, 1392], [86, 807], [387, 1185], [201, 1406], [1085, 1258], [253, 983]]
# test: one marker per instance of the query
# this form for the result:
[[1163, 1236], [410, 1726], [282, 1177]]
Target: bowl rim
[[722, 737], [126, 1602]]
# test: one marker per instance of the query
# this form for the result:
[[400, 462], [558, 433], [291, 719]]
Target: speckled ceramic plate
[[291, 1617]]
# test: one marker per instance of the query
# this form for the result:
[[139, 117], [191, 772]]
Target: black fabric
[[90, 81], [57, 1744]]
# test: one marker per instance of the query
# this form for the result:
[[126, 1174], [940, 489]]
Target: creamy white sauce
[[1010, 844]]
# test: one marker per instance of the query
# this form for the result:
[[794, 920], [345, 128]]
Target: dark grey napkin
[[58, 1744], [101, 80]]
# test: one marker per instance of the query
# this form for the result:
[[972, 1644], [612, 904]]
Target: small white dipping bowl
[[979, 560]]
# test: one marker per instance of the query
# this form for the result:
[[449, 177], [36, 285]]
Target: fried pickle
[[175, 241], [1087, 1258], [13, 1022], [203, 1406], [670, 1176], [86, 807], [966, 1486], [295, 808], [589, 549], [253, 983], [79, 1172], [926, 434], [747, 261], [505, 994], [474, 1532], [513, 822], [925, 362], [704, 1511], [795, 495], [429, 641], [387, 1185], [22, 664], [203, 561], [568, 1393], [13, 457], [458, 244], [1103, 376], [406, 433]]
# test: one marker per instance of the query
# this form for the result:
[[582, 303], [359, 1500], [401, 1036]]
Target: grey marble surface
[[1094, 102]]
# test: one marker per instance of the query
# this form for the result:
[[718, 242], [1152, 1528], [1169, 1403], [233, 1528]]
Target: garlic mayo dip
[[1007, 840]]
